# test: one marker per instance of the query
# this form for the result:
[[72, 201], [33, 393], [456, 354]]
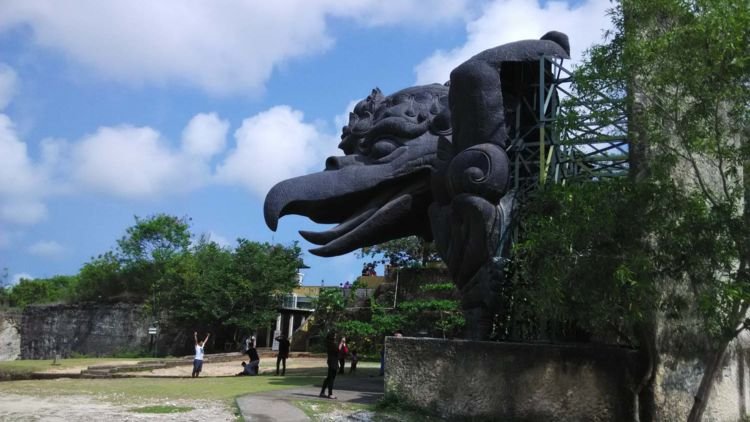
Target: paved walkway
[[277, 406]]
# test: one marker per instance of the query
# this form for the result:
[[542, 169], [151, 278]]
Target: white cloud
[[16, 278], [46, 248], [219, 240], [8, 81], [504, 21], [221, 47], [136, 162], [272, 146], [23, 211], [22, 182], [17, 173], [205, 135]]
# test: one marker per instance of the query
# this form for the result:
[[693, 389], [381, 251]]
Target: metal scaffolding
[[558, 136]]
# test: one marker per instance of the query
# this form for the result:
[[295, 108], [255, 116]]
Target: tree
[[692, 61], [54, 289], [155, 238], [329, 309], [271, 274], [4, 287], [149, 251], [409, 251], [231, 292], [683, 68], [103, 279]]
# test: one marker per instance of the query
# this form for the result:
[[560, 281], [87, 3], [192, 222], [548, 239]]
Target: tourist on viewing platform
[[332, 361], [283, 354], [198, 360]]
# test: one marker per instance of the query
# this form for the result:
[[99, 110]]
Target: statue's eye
[[382, 148]]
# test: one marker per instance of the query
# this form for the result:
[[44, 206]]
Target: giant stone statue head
[[430, 161], [380, 189]]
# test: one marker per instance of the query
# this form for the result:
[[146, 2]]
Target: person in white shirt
[[198, 360]]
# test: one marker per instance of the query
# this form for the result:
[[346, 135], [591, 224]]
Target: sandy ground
[[78, 369], [221, 369], [210, 369], [15, 407]]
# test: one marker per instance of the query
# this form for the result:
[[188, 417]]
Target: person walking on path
[[343, 352], [354, 360], [283, 354], [198, 360], [332, 361]]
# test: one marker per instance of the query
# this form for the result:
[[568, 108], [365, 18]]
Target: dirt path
[[14, 407]]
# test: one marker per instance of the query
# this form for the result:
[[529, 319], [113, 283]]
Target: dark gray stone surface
[[508, 381], [429, 161], [95, 330]]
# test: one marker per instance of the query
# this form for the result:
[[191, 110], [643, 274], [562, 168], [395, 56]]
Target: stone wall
[[94, 330], [678, 377], [511, 381], [10, 336]]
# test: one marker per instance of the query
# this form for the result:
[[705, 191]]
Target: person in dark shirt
[[354, 360], [332, 360], [254, 363], [283, 354]]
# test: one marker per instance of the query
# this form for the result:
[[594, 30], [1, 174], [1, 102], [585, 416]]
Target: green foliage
[[683, 69], [102, 279], [329, 309], [407, 252], [423, 315], [227, 292], [54, 289], [156, 238], [161, 409]]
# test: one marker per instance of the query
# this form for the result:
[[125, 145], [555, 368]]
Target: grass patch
[[134, 390], [33, 365], [162, 409]]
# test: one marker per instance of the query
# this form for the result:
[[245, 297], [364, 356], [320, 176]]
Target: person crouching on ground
[[333, 365], [198, 360], [248, 370], [254, 364]]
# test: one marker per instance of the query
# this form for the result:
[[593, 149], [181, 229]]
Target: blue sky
[[111, 109]]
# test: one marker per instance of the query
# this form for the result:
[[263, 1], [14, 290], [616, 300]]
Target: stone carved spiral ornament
[[429, 161]]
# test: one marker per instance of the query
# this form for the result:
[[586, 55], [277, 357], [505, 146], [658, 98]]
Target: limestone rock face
[[460, 379], [10, 336], [92, 330]]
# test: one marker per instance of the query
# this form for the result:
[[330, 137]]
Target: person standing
[[198, 360], [354, 360], [332, 353], [283, 354], [343, 352]]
